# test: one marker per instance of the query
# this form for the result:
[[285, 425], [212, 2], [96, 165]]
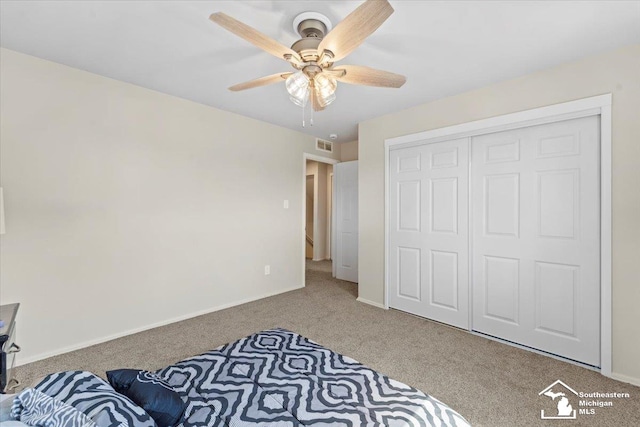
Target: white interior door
[[428, 231], [345, 177], [536, 265]]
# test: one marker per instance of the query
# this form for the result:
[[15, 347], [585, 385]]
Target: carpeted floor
[[489, 383]]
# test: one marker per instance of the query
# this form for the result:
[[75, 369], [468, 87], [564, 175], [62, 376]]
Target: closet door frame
[[593, 106]]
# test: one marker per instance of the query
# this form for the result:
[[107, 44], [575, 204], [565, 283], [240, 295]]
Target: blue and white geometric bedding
[[277, 378], [35, 408], [77, 399]]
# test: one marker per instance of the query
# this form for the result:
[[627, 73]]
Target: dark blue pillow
[[151, 393]]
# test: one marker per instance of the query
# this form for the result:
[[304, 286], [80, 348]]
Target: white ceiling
[[443, 48]]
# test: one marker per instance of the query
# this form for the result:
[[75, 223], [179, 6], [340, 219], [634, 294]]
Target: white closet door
[[535, 243], [428, 231]]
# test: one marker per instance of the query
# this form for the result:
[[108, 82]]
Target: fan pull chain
[[303, 107]]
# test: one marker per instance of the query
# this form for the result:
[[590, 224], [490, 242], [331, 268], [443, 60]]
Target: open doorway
[[317, 214]]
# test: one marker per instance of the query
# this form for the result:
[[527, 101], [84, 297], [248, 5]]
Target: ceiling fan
[[315, 54]]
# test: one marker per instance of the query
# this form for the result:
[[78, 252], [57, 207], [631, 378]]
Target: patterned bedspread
[[279, 378]]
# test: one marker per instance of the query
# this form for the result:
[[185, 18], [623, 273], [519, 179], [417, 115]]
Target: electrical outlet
[[267, 270], [286, 204]]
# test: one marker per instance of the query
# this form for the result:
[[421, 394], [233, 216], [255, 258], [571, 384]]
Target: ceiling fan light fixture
[[302, 101], [326, 100], [325, 85], [297, 85], [325, 89]]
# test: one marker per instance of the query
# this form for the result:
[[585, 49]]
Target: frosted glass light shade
[[302, 100], [324, 101], [325, 89], [325, 85], [297, 85]]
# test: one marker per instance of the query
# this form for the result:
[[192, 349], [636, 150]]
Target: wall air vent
[[322, 145]]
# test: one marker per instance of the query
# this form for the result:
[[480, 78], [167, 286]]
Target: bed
[[273, 378]]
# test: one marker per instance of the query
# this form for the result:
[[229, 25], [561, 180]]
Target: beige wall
[[127, 208], [616, 72], [348, 151]]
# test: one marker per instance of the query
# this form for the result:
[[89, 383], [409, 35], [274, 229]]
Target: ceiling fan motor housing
[[312, 27], [307, 48]]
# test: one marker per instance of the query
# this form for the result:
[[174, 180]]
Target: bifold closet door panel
[[428, 231], [535, 239]]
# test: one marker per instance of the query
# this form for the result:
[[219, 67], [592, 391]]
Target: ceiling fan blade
[[355, 28], [252, 35], [262, 81], [358, 75]]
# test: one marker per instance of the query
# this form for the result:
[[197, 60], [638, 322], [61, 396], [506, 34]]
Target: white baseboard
[[100, 340], [626, 379], [373, 303]]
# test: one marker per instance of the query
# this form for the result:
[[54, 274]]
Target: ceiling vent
[[322, 145]]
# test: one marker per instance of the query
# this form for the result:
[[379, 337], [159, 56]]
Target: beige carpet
[[489, 383]]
